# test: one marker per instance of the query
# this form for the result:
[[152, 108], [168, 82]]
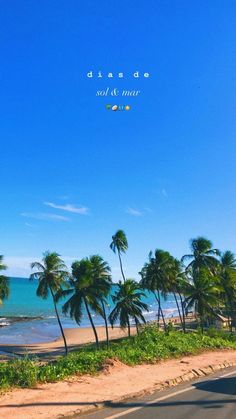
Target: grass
[[150, 346]]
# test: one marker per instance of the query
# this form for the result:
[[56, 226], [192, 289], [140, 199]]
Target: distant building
[[220, 322]]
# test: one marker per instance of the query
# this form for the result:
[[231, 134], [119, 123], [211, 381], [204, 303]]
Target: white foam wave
[[148, 313]]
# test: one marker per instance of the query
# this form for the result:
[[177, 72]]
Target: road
[[212, 397]]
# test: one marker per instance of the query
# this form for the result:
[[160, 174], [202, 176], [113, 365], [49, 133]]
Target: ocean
[[23, 302]]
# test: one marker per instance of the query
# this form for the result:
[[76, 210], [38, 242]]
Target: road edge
[[163, 385]]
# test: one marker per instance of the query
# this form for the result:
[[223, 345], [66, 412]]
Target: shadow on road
[[221, 386], [226, 386]]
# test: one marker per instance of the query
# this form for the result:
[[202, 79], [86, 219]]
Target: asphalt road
[[213, 397]]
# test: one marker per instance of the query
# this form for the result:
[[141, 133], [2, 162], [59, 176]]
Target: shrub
[[150, 346], [18, 373]]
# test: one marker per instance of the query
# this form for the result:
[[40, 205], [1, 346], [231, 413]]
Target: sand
[[74, 336], [50, 401]]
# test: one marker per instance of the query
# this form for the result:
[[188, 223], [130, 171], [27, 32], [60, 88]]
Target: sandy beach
[[75, 337], [117, 380]]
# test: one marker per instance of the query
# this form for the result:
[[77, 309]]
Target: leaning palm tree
[[156, 277], [4, 283], [203, 255], [52, 276], [119, 244], [84, 291], [202, 294], [101, 272], [227, 276], [128, 305], [177, 280]]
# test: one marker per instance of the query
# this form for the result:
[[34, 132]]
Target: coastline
[[75, 337]]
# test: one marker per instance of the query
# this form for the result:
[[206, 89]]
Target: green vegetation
[[149, 346], [4, 282], [206, 285], [202, 293], [203, 281], [227, 280], [119, 244], [128, 305], [203, 255], [156, 277], [52, 277], [101, 273], [90, 284]]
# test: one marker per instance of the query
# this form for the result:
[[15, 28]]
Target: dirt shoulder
[[118, 381]]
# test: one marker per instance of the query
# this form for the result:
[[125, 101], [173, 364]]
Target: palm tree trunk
[[229, 323], [121, 267], [201, 323], [59, 322], [136, 324], [183, 312], [230, 311], [158, 316], [231, 315], [200, 312], [177, 304], [128, 323], [105, 320], [159, 311], [92, 323], [158, 299]]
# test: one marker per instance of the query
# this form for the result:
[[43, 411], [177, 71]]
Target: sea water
[[23, 302]]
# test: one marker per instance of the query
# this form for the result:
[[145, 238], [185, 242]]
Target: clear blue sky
[[164, 171]]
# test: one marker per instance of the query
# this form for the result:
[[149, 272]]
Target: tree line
[[203, 281]]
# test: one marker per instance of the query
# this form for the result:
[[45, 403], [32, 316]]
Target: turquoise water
[[24, 302]]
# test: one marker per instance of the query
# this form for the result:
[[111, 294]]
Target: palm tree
[[86, 291], [203, 255], [120, 244], [102, 278], [227, 276], [177, 283], [4, 283], [202, 293], [156, 277], [128, 305], [52, 276]]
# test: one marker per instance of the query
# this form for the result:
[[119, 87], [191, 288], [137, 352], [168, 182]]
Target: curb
[[187, 376]]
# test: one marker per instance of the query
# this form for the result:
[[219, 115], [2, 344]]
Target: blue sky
[[72, 173]]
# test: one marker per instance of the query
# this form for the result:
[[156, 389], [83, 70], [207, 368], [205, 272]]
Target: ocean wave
[[169, 310], [2, 324], [148, 313]]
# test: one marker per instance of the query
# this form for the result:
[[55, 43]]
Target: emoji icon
[[108, 107], [127, 107], [114, 108]]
